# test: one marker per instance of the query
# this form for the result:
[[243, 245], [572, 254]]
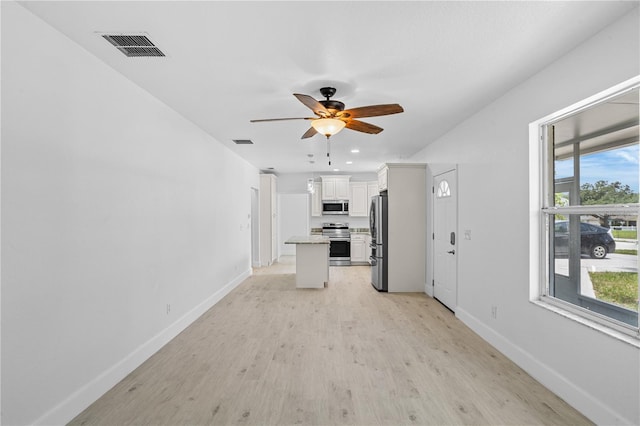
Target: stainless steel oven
[[340, 243]]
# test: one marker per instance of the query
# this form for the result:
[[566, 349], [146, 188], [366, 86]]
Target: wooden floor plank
[[271, 354]]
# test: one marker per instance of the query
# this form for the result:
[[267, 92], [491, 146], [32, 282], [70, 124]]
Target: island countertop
[[308, 239]]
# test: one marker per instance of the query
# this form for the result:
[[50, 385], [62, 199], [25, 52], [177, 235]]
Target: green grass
[[627, 251], [626, 234], [620, 288]]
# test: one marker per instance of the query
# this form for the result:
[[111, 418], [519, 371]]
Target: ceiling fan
[[331, 117]]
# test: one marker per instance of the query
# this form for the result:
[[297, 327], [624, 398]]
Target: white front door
[[445, 218]]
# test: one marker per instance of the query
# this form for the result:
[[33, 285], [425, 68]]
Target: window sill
[[627, 337]]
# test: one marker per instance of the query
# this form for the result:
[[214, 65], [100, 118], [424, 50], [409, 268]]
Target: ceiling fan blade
[[314, 105], [281, 119], [361, 126], [371, 111], [309, 133]]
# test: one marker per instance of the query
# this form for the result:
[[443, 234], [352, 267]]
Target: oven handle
[[339, 239]]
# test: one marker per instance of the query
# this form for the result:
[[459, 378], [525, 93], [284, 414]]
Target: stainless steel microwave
[[335, 207]]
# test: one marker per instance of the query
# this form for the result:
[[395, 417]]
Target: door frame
[[432, 171]]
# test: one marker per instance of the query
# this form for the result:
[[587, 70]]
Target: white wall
[[597, 374], [293, 219], [110, 211]]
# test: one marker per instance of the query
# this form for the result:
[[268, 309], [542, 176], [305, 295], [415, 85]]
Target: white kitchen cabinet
[[335, 187], [312, 260], [372, 189], [383, 178], [316, 200], [358, 202], [359, 248], [342, 189], [328, 189], [268, 220]]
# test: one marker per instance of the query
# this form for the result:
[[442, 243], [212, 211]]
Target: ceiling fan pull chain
[[328, 155]]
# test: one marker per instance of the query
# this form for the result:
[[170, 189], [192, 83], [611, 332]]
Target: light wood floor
[[268, 354]]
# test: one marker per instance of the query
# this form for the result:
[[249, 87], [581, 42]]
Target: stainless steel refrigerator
[[378, 213]]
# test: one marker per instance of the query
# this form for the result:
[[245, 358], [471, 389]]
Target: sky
[[620, 164]]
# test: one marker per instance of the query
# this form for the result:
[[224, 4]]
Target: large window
[[589, 216]]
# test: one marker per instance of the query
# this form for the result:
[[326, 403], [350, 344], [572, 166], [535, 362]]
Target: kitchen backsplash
[[354, 222], [358, 230]]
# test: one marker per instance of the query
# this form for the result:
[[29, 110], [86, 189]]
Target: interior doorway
[[445, 238]]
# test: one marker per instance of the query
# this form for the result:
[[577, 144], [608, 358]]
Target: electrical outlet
[[467, 234], [168, 308], [494, 312]]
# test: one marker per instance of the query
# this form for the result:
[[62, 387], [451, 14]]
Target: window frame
[[542, 208]]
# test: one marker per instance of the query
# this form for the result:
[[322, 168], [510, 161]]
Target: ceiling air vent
[[243, 141], [133, 45]]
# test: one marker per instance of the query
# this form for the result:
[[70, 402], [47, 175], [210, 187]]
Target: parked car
[[596, 241]]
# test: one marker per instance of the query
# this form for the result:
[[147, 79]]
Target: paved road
[[614, 262], [626, 245]]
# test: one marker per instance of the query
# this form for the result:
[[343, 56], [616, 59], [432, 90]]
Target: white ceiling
[[229, 62]]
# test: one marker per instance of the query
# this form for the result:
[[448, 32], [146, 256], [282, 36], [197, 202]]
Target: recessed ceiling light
[[349, 162], [336, 170], [355, 151]]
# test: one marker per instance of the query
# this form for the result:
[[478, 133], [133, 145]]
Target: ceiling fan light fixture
[[328, 126]]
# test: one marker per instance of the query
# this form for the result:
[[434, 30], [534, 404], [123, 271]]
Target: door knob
[[451, 252]]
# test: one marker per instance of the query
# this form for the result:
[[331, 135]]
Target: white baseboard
[[86, 395], [582, 401]]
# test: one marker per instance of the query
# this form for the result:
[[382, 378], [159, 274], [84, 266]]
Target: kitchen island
[[312, 260]]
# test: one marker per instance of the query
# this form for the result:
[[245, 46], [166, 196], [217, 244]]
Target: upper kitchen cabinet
[[372, 189], [316, 199], [361, 193], [335, 187], [268, 220], [359, 201], [383, 174]]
